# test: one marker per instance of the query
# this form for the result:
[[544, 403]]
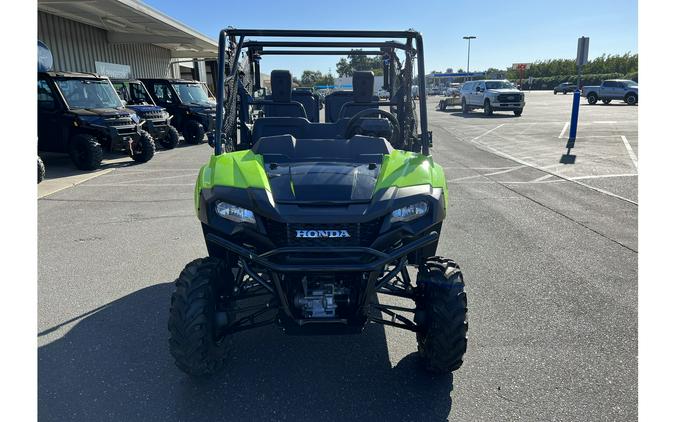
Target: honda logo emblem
[[316, 234]]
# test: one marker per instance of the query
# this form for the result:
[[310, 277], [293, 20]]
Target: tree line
[[544, 72], [607, 63]]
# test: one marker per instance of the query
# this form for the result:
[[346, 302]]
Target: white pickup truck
[[613, 89]]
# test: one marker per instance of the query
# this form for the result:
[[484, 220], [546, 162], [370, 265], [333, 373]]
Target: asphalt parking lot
[[548, 250]]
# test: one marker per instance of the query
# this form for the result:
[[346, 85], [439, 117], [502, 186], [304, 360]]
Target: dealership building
[[123, 39]]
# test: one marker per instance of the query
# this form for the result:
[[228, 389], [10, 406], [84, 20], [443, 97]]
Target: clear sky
[[508, 32]]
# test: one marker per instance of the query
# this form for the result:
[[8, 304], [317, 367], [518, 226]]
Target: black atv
[[189, 104], [307, 223], [156, 120], [81, 114]]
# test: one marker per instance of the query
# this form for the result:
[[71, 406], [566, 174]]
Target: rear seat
[[309, 101], [298, 127], [282, 103]]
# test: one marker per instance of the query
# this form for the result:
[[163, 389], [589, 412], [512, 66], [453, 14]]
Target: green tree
[[310, 78], [346, 67]]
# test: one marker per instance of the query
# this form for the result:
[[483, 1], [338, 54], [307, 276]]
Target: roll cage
[[235, 91]]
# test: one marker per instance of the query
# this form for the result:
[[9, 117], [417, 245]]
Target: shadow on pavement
[[114, 364], [618, 103], [60, 165], [480, 115]]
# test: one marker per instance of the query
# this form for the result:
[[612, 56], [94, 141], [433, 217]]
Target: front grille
[[504, 98], [153, 115], [360, 234]]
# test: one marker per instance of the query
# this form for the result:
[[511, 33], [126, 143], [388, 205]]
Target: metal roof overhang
[[133, 22]]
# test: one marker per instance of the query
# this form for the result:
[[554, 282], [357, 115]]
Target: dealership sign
[[113, 70]]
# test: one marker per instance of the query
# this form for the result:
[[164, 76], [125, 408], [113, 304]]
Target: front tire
[[487, 108], [171, 138], [194, 132], [518, 112], [631, 99], [41, 170], [86, 152], [592, 98], [194, 341], [143, 148], [465, 106], [441, 314]]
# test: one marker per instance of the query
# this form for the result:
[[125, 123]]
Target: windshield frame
[[139, 87], [71, 103], [196, 85], [508, 84]]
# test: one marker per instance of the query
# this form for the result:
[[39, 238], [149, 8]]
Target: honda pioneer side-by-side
[[188, 102], [82, 115], [315, 226], [156, 120]]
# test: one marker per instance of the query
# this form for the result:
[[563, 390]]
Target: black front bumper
[[374, 260], [158, 128]]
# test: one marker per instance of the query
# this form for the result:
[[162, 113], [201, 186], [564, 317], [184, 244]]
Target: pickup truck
[[613, 89]]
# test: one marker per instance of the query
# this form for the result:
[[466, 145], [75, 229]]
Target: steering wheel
[[351, 126]]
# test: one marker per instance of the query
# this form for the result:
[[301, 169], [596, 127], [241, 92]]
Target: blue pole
[[575, 116]]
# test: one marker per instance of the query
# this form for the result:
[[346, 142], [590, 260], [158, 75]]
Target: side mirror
[[124, 103], [478, 89]]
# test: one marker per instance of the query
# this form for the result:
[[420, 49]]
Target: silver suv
[[492, 95]]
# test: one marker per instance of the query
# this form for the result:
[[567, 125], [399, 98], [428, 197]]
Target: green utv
[[307, 222]]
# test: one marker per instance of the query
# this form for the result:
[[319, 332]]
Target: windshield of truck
[[134, 93], [630, 84], [499, 85], [89, 93], [191, 93]]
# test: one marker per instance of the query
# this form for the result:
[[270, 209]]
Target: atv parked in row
[[156, 120], [82, 115], [307, 223], [188, 102]]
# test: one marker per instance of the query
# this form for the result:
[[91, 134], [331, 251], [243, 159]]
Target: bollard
[[575, 117]]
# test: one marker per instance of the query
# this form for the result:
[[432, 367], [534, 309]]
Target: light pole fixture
[[468, 55]]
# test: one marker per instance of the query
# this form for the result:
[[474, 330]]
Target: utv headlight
[[234, 213], [409, 212]]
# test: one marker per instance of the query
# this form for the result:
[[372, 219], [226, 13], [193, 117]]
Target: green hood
[[244, 169]]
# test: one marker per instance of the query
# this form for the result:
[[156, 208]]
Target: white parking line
[[50, 186], [488, 174], [121, 185], [485, 133], [562, 132], [131, 182], [542, 178], [520, 161], [632, 155], [602, 176]]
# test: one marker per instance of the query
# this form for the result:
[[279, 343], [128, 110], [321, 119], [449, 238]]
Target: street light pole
[[468, 54]]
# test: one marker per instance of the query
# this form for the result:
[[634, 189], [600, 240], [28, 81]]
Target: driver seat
[[363, 84]]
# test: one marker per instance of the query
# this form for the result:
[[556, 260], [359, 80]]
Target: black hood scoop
[[322, 171], [322, 182]]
